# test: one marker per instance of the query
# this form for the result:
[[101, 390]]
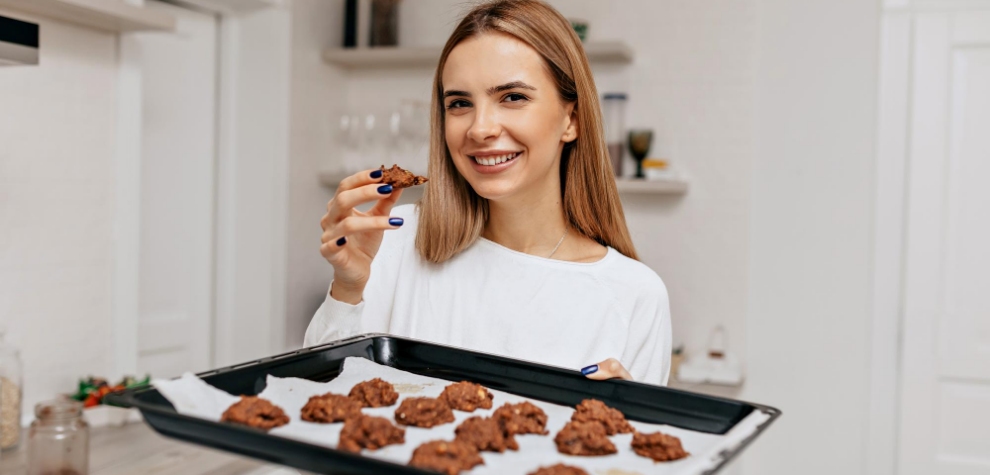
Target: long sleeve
[[648, 349], [334, 320]]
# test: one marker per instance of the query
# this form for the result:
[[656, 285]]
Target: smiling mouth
[[493, 160]]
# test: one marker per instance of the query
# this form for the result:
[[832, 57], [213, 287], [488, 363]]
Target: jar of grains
[[10, 395], [58, 440]]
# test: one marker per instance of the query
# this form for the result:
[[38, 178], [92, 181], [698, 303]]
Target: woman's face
[[505, 123]]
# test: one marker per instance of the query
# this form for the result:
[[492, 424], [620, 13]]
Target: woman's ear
[[571, 130]]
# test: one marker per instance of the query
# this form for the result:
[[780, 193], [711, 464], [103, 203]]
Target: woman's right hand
[[351, 238]]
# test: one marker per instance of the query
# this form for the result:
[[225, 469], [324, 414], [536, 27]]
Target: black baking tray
[[641, 402]]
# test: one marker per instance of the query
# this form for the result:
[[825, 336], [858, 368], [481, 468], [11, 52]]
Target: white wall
[[56, 207], [811, 233]]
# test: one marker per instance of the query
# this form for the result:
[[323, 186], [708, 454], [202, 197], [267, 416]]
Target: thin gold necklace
[[558, 244]]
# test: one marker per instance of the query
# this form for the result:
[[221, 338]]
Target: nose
[[486, 124]]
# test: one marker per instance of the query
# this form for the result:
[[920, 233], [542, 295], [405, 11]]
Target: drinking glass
[[639, 146]]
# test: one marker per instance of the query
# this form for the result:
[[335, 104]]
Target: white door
[[177, 194], [945, 354]]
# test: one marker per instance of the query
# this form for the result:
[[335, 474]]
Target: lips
[[492, 160]]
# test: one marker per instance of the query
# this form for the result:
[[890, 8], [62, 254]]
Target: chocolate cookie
[[374, 393], [256, 412], [522, 418], [446, 457], [559, 469], [467, 396], [584, 438], [423, 412], [399, 178], [658, 446], [367, 432], [484, 433], [595, 410], [330, 407]]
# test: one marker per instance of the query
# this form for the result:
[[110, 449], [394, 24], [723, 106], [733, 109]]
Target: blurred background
[[813, 198]]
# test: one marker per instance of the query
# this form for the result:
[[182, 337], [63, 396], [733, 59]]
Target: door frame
[[232, 340], [897, 36]]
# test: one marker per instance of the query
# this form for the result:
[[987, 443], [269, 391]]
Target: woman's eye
[[515, 97], [458, 104]]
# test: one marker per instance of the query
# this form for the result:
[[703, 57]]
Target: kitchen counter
[[135, 448]]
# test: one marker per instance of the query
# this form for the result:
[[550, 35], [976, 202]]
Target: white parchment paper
[[192, 396]]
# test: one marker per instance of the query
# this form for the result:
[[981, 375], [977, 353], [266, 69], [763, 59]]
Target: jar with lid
[[11, 382], [614, 112], [58, 440]]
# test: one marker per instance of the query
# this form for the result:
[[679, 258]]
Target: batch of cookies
[[587, 433]]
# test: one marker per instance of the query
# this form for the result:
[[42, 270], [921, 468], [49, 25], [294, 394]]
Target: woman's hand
[[351, 238], [608, 369]]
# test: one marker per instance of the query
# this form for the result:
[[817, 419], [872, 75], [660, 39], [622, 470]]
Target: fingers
[[366, 177], [345, 201], [608, 369], [358, 224], [385, 205]]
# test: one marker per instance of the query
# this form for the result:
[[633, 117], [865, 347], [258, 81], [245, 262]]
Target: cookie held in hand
[[255, 412], [399, 178]]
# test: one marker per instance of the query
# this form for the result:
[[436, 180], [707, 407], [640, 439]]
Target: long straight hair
[[452, 215]]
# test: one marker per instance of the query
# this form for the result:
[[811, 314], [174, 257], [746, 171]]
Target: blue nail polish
[[385, 189], [376, 174], [395, 221], [589, 369], [342, 241]]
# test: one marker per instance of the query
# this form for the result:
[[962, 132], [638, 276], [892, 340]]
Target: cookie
[[467, 396], [399, 178], [658, 446], [595, 410], [374, 393], [445, 457], [256, 412], [423, 412], [368, 432], [522, 418], [559, 469], [485, 434], [584, 438], [330, 407]]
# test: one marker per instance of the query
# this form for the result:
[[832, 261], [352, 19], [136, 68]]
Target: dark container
[[640, 402]]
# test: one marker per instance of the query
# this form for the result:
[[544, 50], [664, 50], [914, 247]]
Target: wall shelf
[[110, 15], [672, 186], [427, 56]]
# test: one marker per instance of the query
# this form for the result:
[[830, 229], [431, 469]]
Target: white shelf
[[427, 56], [111, 15], [674, 186]]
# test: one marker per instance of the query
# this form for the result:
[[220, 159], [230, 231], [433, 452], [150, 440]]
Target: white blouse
[[495, 300]]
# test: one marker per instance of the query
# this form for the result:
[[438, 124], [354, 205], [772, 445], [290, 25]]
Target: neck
[[532, 225]]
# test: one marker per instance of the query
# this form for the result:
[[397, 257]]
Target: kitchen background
[[160, 196]]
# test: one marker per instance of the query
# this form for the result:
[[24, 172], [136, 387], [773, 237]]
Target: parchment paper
[[192, 396]]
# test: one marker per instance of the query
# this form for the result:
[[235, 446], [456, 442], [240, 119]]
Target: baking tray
[[641, 402]]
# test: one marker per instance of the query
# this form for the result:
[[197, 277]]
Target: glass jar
[[11, 384], [58, 440], [614, 112]]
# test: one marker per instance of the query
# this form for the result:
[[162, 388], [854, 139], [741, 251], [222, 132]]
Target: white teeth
[[494, 160]]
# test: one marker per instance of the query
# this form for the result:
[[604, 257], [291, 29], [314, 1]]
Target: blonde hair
[[452, 215]]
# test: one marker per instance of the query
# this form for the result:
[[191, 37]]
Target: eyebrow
[[492, 90]]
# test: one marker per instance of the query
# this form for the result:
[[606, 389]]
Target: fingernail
[[395, 221], [376, 174], [589, 369], [342, 241], [385, 189]]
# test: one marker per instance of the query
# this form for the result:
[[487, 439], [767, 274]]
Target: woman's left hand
[[608, 369]]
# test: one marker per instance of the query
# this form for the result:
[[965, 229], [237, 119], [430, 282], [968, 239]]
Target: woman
[[519, 246]]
